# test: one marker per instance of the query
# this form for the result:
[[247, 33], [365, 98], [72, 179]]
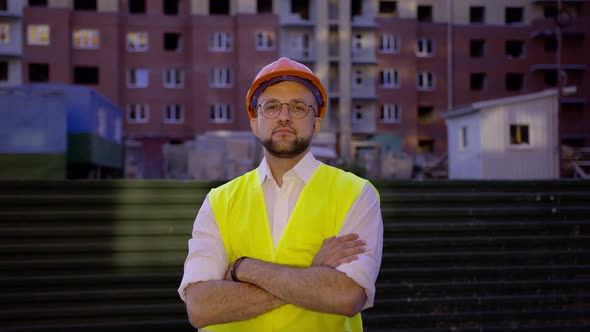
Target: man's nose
[[286, 115]]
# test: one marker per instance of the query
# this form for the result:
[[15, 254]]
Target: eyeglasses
[[298, 108]]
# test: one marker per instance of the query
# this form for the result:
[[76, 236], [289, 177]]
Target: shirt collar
[[304, 168]]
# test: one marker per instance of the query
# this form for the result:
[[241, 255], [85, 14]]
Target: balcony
[[288, 19], [553, 66], [547, 27], [365, 90], [12, 39], [299, 55], [363, 56], [13, 49], [574, 100], [10, 15], [10, 53], [364, 21], [364, 120], [12, 11]]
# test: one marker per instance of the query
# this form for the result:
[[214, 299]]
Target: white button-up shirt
[[207, 258]]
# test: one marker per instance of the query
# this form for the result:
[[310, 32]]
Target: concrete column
[[322, 32], [345, 68]]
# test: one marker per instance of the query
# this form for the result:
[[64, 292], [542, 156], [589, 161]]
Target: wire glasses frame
[[298, 108]]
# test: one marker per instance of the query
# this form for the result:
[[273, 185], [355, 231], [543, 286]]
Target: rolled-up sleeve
[[207, 258], [364, 218]]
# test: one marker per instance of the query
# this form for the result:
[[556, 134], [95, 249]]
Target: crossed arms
[[265, 286]]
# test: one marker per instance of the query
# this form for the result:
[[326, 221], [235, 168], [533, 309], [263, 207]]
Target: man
[[294, 245]]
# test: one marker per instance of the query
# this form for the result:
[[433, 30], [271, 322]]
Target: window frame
[[136, 12], [522, 15], [94, 9], [509, 44], [422, 47], [77, 79], [262, 38], [36, 30], [176, 13], [217, 75], [177, 108], [394, 111], [179, 41], [427, 19], [142, 119], [483, 14], [133, 72], [226, 110], [300, 42], [473, 75], [463, 138], [392, 76], [136, 35], [6, 64], [4, 33], [392, 41], [481, 45], [358, 114], [522, 77], [175, 73], [357, 43], [428, 77], [518, 126], [358, 74], [46, 79], [381, 10], [87, 37], [425, 119], [224, 37]]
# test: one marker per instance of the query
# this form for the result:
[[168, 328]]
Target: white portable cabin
[[506, 138]]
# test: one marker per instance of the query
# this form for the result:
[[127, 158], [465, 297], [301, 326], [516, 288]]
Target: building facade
[[180, 68], [11, 45]]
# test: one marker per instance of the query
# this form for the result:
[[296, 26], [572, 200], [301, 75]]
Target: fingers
[[344, 260], [338, 250], [342, 253], [351, 244], [334, 241], [347, 237], [347, 245], [344, 249]]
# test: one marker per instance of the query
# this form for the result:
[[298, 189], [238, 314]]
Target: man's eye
[[298, 107]]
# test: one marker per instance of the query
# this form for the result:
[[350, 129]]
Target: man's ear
[[254, 126], [317, 124]]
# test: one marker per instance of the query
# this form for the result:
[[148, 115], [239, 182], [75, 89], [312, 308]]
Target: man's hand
[[339, 250]]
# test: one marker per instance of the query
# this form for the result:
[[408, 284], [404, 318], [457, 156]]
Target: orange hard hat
[[285, 69]]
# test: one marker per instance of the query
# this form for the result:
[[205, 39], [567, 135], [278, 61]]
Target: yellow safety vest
[[240, 212]]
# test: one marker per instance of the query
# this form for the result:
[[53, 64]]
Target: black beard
[[298, 147]]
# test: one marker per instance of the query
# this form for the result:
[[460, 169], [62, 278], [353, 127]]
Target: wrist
[[234, 269]]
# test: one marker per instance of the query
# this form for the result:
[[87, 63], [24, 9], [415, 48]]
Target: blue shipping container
[[32, 121]]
